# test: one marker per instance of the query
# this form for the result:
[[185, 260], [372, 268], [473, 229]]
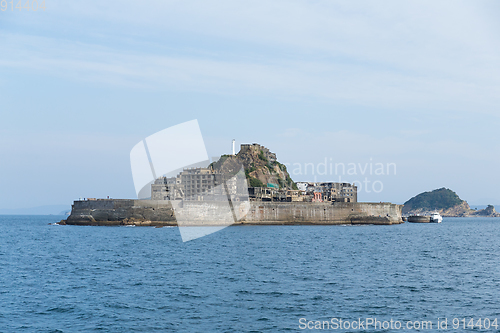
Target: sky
[[400, 96]]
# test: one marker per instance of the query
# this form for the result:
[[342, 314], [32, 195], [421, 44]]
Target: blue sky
[[412, 83]]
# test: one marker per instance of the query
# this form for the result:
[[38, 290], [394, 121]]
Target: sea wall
[[323, 213], [122, 212], [161, 213]]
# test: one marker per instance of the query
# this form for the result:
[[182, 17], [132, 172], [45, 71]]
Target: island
[[446, 202], [251, 186]]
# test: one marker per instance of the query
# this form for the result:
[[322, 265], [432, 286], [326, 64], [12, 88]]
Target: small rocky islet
[[447, 203]]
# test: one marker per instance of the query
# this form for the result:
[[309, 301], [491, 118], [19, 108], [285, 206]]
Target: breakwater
[[160, 213]]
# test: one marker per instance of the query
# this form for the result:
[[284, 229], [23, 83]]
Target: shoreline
[[161, 224]]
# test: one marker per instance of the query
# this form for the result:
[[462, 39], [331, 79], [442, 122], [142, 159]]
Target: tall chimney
[[234, 153]]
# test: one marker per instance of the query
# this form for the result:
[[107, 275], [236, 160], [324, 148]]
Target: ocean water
[[246, 279]]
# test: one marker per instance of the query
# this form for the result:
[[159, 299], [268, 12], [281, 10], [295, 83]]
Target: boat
[[433, 218], [418, 219], [436, 218]]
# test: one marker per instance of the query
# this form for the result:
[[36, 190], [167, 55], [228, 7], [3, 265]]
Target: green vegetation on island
[[260, 165], [446, 202], [440, 199]]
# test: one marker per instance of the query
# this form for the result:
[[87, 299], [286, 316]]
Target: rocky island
[[213, 195], [446, 202]]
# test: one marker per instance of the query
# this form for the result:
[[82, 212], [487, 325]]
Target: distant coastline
[[40, 210]]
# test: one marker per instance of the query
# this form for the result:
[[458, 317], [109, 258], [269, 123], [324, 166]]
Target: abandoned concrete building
[[197, 184], [205, 184], [202, 184], [329, 191]]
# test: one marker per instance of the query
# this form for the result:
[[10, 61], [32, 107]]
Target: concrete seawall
[[160, 213]]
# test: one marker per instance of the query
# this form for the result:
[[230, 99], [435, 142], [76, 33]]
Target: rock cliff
[[459, 210], [488, 212], [261, 167]]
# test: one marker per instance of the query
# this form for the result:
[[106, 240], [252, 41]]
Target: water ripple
[[242, 279]]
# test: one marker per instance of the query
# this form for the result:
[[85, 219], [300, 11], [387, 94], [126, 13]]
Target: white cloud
[[387, 54], [414, 56], [346, 82]]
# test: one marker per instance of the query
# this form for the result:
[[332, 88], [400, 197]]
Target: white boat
[[436, 218]]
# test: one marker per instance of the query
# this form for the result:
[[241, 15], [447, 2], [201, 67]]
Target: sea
[[399, 278]]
